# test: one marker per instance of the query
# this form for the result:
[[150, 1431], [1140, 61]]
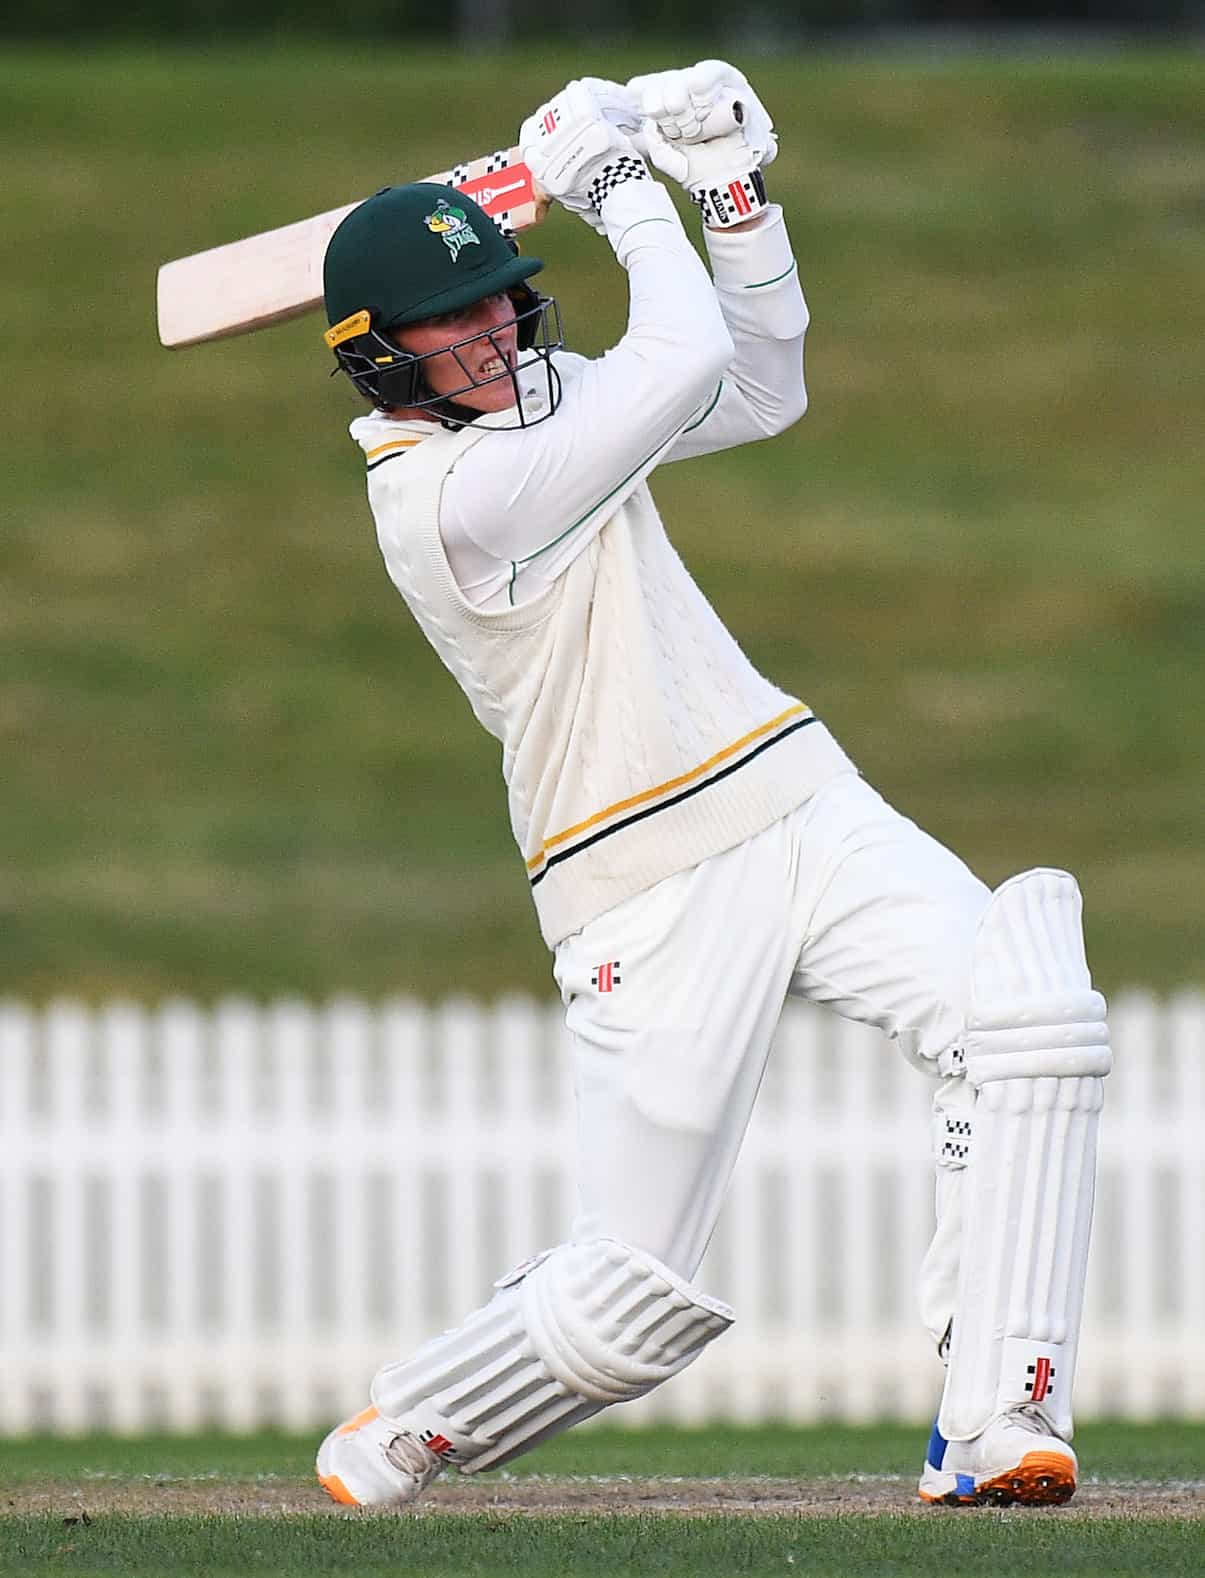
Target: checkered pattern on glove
[[570, 142], [625, 168]]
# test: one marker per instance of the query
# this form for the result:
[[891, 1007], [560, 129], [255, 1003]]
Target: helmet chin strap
[[449, 413], [454, 414]]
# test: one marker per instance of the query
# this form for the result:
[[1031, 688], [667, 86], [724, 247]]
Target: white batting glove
[[618, 104], [576, 152], [705, 128]]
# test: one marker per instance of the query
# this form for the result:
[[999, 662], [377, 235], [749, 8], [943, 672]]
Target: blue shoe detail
[[964, 1484], [937, 1448]]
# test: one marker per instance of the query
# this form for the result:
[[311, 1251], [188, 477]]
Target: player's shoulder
[[569, 364], [382, 438]]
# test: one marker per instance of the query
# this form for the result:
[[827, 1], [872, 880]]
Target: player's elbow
[[708, 358], [678, 370], [794, 409], [688, 355], [698, 373], [775, 416]]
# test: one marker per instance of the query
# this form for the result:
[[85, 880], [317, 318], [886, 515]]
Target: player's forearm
[[757, 279], [758, 290], [677, 343], [757, 287]]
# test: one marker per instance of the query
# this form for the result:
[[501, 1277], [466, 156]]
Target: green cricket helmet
[[416, 252]]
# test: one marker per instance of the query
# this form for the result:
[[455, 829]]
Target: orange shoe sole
[[1040, 1479], [337, 1490], [951, 1499]]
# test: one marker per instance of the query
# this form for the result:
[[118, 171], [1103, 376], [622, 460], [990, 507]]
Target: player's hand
[[617, 103], [706, 128], [576, 152]]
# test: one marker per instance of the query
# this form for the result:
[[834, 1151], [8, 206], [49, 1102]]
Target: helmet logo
[[452, 227]]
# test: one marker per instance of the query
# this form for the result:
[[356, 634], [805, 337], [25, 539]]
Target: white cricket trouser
[[673, 998]]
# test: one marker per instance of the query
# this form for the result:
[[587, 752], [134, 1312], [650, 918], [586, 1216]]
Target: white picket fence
[[231, 1217]]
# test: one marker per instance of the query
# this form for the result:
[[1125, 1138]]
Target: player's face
[[497, 351]]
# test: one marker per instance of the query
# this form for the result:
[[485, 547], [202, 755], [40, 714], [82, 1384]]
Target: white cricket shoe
[[372, 1462], [1018, 1458]]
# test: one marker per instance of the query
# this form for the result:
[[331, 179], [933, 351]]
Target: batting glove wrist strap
[[627, 167], [731, 202]]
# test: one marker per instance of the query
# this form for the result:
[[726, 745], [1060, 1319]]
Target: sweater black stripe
[[662, 805], [385, 459]]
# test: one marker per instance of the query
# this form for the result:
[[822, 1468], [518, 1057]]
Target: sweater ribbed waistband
[[622, 850]]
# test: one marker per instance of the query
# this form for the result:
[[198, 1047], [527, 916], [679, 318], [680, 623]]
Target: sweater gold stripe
[[394, 443], [647, 795]]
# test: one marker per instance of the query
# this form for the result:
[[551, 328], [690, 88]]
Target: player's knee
[[611, 1322], [1032, 1010]]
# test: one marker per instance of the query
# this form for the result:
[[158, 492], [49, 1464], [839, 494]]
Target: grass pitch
[[606, 1502], [231, 762]]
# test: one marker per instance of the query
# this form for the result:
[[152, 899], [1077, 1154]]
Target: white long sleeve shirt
[[514, 514], [637, 738]]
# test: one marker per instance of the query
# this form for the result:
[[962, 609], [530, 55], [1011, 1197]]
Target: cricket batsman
[[697, 844]]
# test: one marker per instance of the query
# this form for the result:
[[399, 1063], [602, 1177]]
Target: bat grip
[[622, 109], [727, 116]]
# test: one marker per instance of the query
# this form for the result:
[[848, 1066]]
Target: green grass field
[[232, 763], [606, 1533], [607, 1547]]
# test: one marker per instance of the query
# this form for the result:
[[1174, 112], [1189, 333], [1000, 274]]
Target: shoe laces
[[408, 1454], [1030, 1417]]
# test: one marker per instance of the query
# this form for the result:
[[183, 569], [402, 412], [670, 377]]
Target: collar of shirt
[[372, 430]]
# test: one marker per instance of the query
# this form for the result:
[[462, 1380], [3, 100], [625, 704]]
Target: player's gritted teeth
[[500, 361], [471, 352]]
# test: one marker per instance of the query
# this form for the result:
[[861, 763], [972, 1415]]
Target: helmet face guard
[[391, 377]]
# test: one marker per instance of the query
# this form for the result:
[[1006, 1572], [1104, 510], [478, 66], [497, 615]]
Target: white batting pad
[[586, 1325], [1027, 1216], [611, 1322], [1036, 1048]]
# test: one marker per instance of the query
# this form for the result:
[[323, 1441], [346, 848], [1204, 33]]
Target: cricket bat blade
[[270, 278]]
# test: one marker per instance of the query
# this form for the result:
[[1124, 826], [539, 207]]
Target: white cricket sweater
[[637, 738]]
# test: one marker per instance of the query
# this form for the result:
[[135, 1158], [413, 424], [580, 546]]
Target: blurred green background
[[231, 763]]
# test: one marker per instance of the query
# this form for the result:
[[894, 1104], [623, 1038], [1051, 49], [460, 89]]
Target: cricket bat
[[275, 276], [270, 278]]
